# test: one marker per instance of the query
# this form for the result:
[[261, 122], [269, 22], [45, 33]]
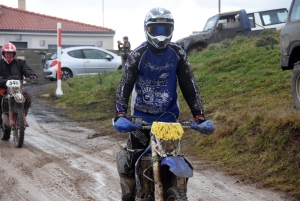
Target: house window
[[21, 45]]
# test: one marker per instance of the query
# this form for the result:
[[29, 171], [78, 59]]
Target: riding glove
[[200, 118], [118, 115]]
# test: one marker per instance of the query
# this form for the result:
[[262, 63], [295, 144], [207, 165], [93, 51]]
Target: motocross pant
[[127, 188], [123, 64], [27, 102], [6, 131], [137, 142]]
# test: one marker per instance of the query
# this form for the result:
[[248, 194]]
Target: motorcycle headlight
[[15, 89], [169, 145]]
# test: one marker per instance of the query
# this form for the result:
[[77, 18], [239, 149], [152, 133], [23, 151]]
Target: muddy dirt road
[[62, 161]]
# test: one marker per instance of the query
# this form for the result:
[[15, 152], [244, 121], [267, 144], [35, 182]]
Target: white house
[[37, 31]]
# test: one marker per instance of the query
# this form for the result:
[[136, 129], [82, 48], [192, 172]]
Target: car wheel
[[52, 79], [66, 74]]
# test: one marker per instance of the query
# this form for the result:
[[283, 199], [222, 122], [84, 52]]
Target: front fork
[[12, 122], [10, 113], [158, 192]]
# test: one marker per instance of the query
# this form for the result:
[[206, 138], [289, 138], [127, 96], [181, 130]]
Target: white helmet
[[158, 27]]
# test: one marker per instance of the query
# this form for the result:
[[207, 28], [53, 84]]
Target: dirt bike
[[13, 116], [162, 171]]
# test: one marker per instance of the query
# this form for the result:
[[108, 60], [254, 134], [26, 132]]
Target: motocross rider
[[151, 74], [9, 66]]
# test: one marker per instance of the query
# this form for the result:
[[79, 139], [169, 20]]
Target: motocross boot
[[127, 187], [6, 134]]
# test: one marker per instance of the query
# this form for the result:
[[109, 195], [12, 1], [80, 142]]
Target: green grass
[[244, 92]]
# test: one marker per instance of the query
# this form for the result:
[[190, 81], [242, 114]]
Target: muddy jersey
[[151, 80]]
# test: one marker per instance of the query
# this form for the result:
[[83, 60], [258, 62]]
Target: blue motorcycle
[[162, 171]]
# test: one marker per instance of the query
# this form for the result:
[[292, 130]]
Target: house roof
[[14, 19]]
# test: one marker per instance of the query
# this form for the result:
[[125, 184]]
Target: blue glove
[[206, 127], [123, 125]]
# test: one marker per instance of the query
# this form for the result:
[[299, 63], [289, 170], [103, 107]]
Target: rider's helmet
[[8, 47], [158, 27]]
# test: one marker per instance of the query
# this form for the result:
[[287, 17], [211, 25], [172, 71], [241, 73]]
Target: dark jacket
[[152, 80], [17, 67]]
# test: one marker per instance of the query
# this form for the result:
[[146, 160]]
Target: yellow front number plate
[[167, 131]]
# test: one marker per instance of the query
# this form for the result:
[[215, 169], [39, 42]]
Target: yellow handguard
[[167, 131]]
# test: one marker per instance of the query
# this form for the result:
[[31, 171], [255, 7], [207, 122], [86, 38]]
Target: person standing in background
[[124, 49]]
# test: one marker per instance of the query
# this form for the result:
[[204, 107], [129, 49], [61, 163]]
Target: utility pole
[[219, 6], [103, 13]]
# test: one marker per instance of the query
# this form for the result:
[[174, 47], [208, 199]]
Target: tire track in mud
[[84, 155], [62, 168]]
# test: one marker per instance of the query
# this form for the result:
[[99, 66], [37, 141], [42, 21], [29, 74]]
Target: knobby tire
[[19, 133], [175, 194]]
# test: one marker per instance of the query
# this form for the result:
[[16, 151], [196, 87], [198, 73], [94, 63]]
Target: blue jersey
[[151, 80]]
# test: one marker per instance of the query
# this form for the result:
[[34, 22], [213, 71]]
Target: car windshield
[[210, 24]]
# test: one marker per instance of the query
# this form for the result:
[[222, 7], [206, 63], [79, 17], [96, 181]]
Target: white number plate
[[13, 83]]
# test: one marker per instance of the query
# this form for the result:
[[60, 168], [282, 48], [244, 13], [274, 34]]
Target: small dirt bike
[[13, 116], [162, 171]]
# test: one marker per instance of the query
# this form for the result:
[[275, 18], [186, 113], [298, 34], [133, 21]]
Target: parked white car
[[80, 61]]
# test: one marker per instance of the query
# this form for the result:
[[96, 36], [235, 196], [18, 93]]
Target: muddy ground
[[62, 161]]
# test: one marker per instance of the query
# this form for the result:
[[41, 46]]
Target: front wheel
[[175, 194], [295, 85], [19, 132]]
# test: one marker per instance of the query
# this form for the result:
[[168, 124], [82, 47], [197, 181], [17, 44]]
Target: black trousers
[[137, 142]]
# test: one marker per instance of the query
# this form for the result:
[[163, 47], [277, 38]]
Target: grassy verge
[[244, 92]]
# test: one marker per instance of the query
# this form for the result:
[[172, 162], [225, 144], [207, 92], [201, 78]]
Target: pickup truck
[[217, 28], [290, 49]]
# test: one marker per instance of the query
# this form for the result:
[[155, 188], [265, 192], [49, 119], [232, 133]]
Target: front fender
[[19, 98], [178, 166]]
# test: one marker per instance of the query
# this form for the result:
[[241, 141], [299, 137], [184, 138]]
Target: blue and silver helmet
[[158, 27]]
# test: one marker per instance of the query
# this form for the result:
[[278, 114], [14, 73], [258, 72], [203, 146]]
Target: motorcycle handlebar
[[33, 81], [128, 125]]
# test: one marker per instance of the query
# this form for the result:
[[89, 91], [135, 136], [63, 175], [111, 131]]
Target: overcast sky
[[126, 17]]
